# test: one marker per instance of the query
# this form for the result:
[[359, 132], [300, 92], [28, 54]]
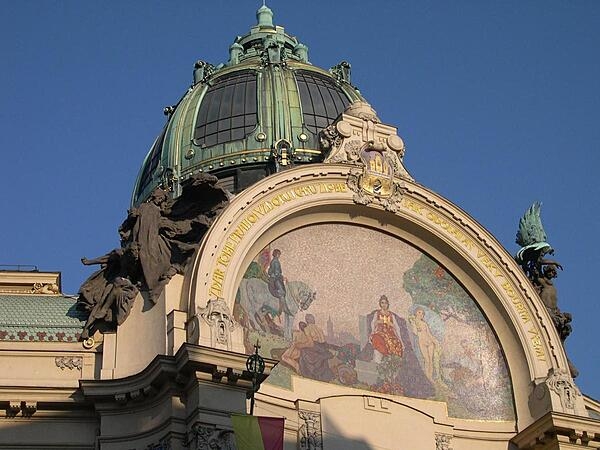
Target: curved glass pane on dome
[[322, 100], [152, 161], [228, 110]]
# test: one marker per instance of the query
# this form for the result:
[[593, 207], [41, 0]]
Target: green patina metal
[[280, 129], [34, 318]]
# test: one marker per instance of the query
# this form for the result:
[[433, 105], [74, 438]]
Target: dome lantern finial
[[264, 16]]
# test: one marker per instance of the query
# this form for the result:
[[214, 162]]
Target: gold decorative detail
[[358, 137], [257, 213], [376, 183], [450, 224], [88, 343], [45, 288]]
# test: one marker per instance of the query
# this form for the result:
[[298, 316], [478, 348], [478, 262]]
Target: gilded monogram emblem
[[378, 176]]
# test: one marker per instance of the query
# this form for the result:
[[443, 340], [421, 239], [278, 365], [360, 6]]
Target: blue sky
[[498, 104]]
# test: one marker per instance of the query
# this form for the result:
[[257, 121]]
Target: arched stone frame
[[318, 193]]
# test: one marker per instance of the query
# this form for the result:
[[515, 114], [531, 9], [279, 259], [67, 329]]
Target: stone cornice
[[22, 282], [190, 361], [554, 430]]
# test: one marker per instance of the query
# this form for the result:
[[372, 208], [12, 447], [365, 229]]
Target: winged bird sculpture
[[533, 241], [540, 270]]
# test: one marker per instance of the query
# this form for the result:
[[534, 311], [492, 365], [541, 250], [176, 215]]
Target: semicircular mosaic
[[350, 305]]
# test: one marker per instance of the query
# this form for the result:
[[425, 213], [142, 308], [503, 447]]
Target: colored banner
[[257, 433]]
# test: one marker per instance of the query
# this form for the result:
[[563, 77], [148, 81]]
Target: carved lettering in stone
[[309, 433], [218, 317], [562, 384], [69, 362], [442, 441], [209, 437]]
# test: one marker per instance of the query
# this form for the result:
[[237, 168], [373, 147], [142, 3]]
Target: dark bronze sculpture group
[[158, 240], [540, 270]]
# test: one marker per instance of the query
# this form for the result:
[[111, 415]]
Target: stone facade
[[378, 307]]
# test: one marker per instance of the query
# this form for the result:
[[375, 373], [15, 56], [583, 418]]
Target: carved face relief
[[561, 383], [219, 319]]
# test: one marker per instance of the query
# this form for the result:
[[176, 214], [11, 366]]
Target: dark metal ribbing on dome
[[259, 113]]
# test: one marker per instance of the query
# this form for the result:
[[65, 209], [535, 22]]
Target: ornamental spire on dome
[[264, 16]]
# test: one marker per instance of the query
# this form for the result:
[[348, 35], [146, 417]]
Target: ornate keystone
[[359, 138]]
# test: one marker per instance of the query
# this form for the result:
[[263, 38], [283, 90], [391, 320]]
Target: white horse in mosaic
[[258, 302]]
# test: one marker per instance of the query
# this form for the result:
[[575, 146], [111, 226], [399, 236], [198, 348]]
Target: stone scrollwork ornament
[[330, 138], [442, 441], [208, 437], [309, 433], [69, 362], [561, 383], [220, 321], [359, 138]]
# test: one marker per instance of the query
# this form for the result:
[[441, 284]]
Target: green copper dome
[[259, 113]]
